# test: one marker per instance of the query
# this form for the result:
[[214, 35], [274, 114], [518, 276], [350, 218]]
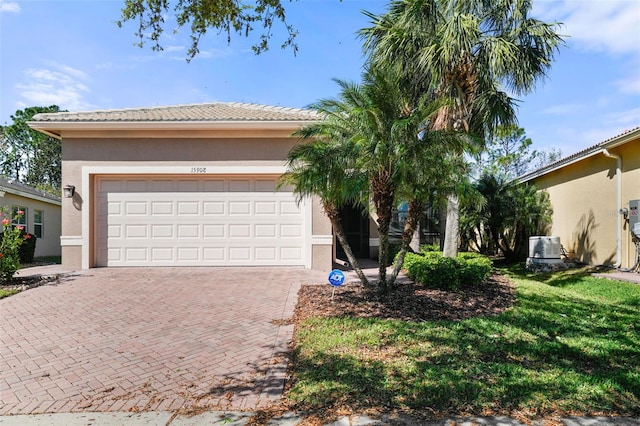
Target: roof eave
[[589, 152], [55, 128], [44, 199]]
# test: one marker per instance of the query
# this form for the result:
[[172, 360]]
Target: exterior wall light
[[68, 191]]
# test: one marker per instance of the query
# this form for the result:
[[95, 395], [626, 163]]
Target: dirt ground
[[407, 302]]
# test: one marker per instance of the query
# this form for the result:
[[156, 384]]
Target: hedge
[[433, 270]]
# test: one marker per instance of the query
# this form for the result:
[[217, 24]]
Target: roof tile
[[217, 111]]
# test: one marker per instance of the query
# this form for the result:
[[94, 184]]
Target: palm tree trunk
[[413, 217], [450, 248], [334, 218], [383, 198]]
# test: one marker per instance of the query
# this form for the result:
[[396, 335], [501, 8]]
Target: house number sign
[[198, 170]]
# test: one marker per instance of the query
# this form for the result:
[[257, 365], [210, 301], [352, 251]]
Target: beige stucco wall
[[160, 153], [49, 244], [583, 196]]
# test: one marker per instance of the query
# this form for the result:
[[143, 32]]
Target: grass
[[43, 260], [49, 259], [7, 292], [570, 345]]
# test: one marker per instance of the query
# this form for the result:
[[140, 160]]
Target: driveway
[[139, 339]]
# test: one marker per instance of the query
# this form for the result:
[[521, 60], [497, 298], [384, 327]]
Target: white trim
[[32, 196], [322, 240], [73, 240], [308, 231], [182, 170], [87, 194], [374, 242], [171, 125]]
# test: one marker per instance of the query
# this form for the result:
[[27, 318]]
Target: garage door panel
[[198, 228], [214, 208]]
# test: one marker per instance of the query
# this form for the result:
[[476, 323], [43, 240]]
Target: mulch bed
[[406, 301], [25, 283]]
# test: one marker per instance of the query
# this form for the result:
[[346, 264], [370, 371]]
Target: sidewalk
[[238, 418]]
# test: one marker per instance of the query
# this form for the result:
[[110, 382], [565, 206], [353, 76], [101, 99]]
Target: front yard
[[567, 343]]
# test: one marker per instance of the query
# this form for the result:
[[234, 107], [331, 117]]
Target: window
[[38, 228], [22, 220]]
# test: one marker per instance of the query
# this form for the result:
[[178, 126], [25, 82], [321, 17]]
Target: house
[[41, 214], [595, 195], [188, 185]]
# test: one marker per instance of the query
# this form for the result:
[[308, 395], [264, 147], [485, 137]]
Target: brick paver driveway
[[148, 339]]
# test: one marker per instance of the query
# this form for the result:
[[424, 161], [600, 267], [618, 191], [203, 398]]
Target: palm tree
[[470, 51], [427, 166], [381, 126], [324, 167]]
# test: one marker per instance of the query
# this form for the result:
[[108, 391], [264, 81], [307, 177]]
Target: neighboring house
[[190, 185], [593, 194], [41, 214]]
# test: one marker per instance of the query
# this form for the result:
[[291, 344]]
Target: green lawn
[[571, 344], [7, 292]]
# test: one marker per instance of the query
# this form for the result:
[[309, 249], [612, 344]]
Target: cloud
[[9, 6], [173, 48], [58, 84], [562, 109], [611, 26], [628, 117]]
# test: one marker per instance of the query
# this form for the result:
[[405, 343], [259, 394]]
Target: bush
[[429, 247], [27, 248], [9, 245], [433, 270], [474, 270]]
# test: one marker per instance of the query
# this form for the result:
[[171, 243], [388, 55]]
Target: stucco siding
[[86, 158], [188, 150], [583, 196]]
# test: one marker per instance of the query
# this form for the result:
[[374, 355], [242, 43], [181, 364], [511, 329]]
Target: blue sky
[[71, 53]]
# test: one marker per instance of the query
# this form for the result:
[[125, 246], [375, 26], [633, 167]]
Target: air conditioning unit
[[544, 247]]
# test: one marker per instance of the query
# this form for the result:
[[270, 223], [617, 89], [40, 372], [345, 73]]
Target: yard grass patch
[[7, 292], [570, 344]]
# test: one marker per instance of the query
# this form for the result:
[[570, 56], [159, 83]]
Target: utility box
[[541, 247], [634, 214]]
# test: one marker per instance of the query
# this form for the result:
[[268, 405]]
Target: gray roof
[[208, 112], [622, 138], [17, 188]]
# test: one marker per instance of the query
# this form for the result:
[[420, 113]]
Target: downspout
[[618, 205]]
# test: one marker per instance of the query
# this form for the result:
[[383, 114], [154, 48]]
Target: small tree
[[12, 238]]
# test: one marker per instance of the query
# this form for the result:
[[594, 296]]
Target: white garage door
[[212, 221]]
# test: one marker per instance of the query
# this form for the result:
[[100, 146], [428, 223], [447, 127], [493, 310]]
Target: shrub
[[27, 248], [433, 270], [474, 269], [10, 245]]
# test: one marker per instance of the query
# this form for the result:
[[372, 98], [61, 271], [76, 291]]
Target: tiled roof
[[587, 152], [209, 112], [13, 187]]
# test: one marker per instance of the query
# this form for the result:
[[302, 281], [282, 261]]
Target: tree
[[508, 153], [469, 51], [389, 144], [29, 156], [511, 212], [324, 167], [227, 16]]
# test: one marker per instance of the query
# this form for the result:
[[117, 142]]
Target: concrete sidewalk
[[237, 418]]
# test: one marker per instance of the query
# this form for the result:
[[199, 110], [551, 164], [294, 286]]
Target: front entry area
[[197, 221], [356, 228]]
